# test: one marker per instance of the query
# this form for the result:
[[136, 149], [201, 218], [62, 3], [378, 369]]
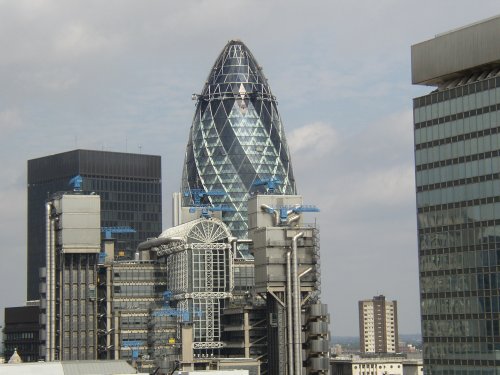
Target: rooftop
[[457, 53]]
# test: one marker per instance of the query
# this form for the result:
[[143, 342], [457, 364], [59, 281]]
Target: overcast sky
[[118, 76]]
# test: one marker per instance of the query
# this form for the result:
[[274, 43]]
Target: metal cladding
[[200, 262], [236, 136]]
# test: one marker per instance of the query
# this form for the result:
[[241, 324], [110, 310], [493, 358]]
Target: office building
[[375, 365], [287, 274], [130, 190], [21, 332], [236, 137], [199, 258], [130, 295], [457, 157], [68, 287], [378, 325]]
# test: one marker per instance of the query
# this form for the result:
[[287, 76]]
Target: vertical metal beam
[[109, 314], [297, 339], [246, 331], [289, 311], [49, 283]]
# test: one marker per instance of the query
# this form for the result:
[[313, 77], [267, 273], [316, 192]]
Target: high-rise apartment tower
[[378, 325], [130, 190], [457, 157], [236, 137]]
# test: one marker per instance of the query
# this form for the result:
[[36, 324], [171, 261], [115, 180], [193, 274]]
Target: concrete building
[[131, 295], [378, 325], [68, 290], [457, 163], [21, 332], [129, 186], [375, 365], [245, 332], [287, 275]]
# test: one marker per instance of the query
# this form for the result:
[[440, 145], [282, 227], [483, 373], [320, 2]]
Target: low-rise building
[[375, 365], [21, 332]]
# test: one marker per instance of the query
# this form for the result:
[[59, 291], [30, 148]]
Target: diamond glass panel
[[236, 136]]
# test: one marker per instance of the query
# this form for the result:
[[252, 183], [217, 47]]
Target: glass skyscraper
[[236, 136], [457, 159], [130, 190]]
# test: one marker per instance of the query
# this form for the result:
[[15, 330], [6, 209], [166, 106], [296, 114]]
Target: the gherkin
[[236, 136]]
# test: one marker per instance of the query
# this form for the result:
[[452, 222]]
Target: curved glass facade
[[236, 136]]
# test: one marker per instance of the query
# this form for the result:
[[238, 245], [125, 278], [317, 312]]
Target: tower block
[[287, 275]]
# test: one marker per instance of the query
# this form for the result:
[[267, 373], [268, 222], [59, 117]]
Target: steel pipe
[[272, 211], [155, 242], [289, 309], [297, 339]]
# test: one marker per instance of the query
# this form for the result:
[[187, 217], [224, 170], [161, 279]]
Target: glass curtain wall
[[236, 136], [457, 154]]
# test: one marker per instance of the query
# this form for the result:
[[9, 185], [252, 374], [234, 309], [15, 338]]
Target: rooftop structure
[[456, 54], [68, 368]]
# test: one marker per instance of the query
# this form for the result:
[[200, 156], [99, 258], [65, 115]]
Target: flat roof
[[452, 54], [120, 367]]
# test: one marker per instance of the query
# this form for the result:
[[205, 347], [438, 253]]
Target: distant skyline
[[119, 75]]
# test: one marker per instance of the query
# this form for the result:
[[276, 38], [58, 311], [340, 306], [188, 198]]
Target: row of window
[[13, 336], [438, 97], [478, 235], [463, 367], [458, 261], [137, 304], [453, 194], [473, 233], [375, 366], [459, 204], [446, 148], [109, 185], [139, 290], [130, 206], [138, 274], [461, 350], [469, 125], [133, 322], [459, 174], [459, 152], [460, 305], [459, 160]]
